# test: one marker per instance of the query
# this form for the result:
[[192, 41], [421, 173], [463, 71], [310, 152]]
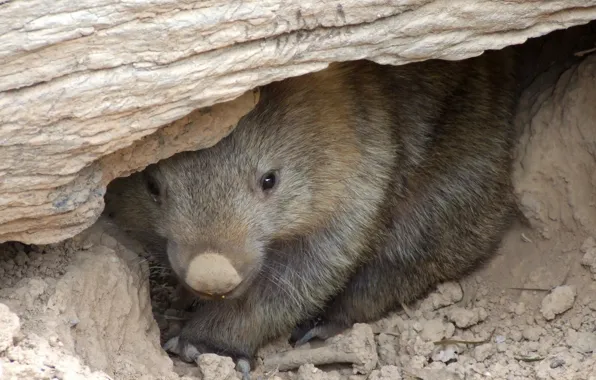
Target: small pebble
[[462, 317], [576, 322], [447, 294], [556, 362], [532, 333], [502, 347], [533, 346], [417, 362], [215, 367], [484, 351], [520, 308], [445, 354], [433, 330], [515, 335], [558, 301]]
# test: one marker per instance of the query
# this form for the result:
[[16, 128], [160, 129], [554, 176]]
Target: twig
[[445, 342]]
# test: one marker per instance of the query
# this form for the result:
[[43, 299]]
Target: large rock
[[555, 170], [82, 80], [84, 313]]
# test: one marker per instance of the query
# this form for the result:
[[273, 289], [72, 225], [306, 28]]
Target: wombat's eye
[[152, 186], [269, 180]]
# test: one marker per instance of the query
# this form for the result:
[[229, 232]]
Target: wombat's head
[[281, 174]]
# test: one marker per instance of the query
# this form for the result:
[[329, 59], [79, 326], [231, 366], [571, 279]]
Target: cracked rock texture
[[87, 308], [86, 87]]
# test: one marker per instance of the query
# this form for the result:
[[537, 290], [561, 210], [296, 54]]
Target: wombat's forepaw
[[322, 330], [190, 352], [184, 350]]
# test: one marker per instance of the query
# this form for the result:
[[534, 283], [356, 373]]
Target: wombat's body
[[342, 194]]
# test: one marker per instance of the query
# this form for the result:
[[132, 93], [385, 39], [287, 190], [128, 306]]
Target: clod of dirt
[[387, 349], [9, 327], [484, 351], [533, 333], [356, 346], [310, 372], [434, 330], [558, 301], [583, 342], [215, 367], [447, 294], [464, 318], [588, 248]]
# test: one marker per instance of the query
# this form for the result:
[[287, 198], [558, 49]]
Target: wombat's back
[[451, 200]]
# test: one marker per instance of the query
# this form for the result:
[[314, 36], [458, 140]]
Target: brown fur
[[391, 179]]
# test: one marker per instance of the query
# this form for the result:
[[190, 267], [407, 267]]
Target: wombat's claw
[[243, 366], [185, 351], [190, 353], [302, 328], [322, 331]]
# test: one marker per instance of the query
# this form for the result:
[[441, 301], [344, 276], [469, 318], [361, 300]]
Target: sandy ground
[[85, 308]]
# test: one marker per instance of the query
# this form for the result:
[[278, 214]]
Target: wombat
[[342, 195]]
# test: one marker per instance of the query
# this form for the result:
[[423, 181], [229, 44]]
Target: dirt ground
[[85, 308]]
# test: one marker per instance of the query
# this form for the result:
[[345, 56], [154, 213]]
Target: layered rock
[[87, 87]]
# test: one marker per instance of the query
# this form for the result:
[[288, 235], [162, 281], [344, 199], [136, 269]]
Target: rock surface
[[75, 160], [85, 313], [85, 85]]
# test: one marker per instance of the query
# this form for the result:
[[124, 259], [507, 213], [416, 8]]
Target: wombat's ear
[[262, 91], [152, 185], [268, 93]]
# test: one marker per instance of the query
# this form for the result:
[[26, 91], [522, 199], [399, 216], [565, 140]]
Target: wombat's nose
[[212, 274]]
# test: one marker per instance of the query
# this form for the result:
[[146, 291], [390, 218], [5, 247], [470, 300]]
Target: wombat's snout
[[212, 275]]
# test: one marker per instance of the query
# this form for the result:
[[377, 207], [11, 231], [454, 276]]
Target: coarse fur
[[391, 179]]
